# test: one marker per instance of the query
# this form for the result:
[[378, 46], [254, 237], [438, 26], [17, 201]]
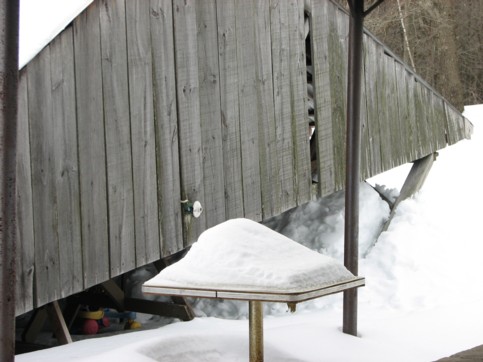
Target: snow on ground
[[422, 299]]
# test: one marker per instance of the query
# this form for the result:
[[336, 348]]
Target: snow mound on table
[[241, 254]]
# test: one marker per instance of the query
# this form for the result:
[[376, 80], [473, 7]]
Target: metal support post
[[353, 145], [9, 20], [255, 309]]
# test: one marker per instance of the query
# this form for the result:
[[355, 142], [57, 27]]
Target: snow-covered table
[[243, 260]]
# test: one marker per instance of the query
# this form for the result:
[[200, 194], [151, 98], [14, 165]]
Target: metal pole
[[255, 310], [9, 21], [353, 145]]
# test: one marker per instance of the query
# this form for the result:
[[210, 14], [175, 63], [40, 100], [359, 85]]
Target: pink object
[[90, 326]]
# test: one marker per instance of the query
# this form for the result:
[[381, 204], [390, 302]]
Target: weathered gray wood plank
[[269, 168], [383, 101], [372, 107], [392, 113], [454, 126], [25, 264], [118, 136], [423, 122], [187, 90], [66, 166], [44, 196], [91, 147], [229, 108], [247, 93], [299, 116], [319, 29], [142, 131], [210, 116], [412, 126], [165, 111], [403, 113], [439, 120], [281, 61], [338, 36]]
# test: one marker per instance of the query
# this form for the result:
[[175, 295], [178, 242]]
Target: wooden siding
[[140, 105]]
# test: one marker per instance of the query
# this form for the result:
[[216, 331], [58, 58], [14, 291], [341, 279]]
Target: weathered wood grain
[[412, 126], [421, 114], [269, 168], [66, 165], [247, 92], [118, 136], [44, 196], [338, 37], [187, 90], [229, 108], [394, 145], [372, 106], [91, 147], [319, 29], [142, 131], [165, 111], [299, 116], [282, 92], [438, 115], [405, 136], [25, 263], [383, 107], [210, 115]]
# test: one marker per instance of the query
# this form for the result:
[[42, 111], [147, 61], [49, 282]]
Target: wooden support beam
[[115, 293], [182, 312], [58, 323], [35, 325], [414, 182]]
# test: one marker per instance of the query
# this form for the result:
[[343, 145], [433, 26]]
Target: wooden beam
[[414, 181], [58, 323], [35, 325], [182, 312]]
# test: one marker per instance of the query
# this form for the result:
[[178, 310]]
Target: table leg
[[255, 309]]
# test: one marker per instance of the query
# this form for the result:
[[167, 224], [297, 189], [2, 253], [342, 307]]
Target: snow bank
[[241, 254]]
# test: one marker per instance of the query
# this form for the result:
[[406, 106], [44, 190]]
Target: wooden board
[[406, 133], [66, 167], [371, 106], [319, 30], [187, 90], [338, 33], [25, 263], [299, 116], [118, 136], [282, 92], [91, 147], [44, 196], [412, 126], [268, 150], [142, 131], [210, 116], [166, 127], [229, 108], [247, 98]]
